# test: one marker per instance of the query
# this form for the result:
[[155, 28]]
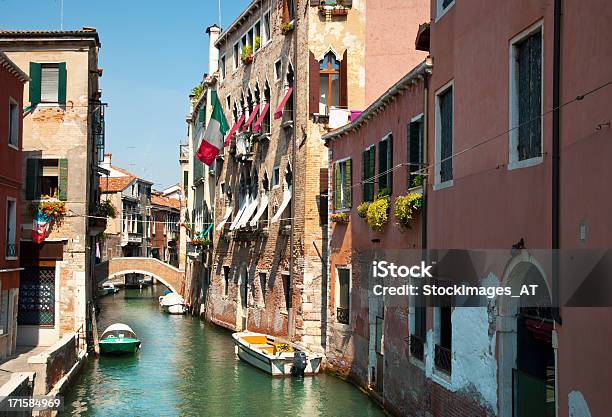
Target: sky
[[153, 53]]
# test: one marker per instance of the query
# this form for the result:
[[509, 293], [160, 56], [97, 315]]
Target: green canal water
[[188, 368]]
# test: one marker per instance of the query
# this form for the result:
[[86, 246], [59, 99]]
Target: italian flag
[[212, 142]]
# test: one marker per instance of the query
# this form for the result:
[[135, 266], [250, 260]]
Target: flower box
[[340, 217]]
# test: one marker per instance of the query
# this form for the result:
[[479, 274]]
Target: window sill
[[442, 378], [525, 163], [443, 185], [418, 362], [287, 124], [418, 189], [10, 145]]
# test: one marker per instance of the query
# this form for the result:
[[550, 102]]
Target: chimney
[[106, 163], [213, 53]]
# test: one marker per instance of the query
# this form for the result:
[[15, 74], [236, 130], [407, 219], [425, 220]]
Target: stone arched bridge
[[168, 275]]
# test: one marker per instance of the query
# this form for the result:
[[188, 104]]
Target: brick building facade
[[61, 147]]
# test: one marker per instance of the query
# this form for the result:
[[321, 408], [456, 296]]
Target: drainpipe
[[290, 310], [424, 174], [556, 189]]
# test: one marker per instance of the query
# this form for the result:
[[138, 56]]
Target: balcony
[[183, 153], [244, 147], [442, 359], [127, 238], [96, 226]]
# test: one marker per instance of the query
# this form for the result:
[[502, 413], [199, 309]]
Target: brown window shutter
[[313, 97], [344, 80]]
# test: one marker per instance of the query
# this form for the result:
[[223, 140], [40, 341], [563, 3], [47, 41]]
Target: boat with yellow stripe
[[275, 356]]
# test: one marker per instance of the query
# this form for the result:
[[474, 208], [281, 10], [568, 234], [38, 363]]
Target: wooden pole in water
[[94, 324]]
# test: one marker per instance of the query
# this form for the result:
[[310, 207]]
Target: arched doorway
[[527, 352]]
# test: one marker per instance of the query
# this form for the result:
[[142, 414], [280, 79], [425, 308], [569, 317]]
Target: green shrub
[[362, 209], [405, 207]]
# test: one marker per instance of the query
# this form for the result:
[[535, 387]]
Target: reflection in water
[[188, 368]]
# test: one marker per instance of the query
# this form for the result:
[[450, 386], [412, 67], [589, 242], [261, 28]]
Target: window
[[13, 137], [329, 83], [369, 172], [526, 97], [4, 311], [46, 178], [222, 67], [415, 151], [342, 184], [286, 278], [385, 165], [278, 70], [47, 83], [236, 57], [266, 28], [289, 11], [444, 135], [443, 6], [343, 295], [266, 122], [226, 280], [37, 296], [257, 36], [443, 332], [263, 285], [11, 228], [418, 327], [276, 176]]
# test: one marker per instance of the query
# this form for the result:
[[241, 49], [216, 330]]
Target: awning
[[279, 111], [283, 206], [259, 121], [248, 213], [234, 224], [263, 206], [228, 213], [234, 129], [251, 117]]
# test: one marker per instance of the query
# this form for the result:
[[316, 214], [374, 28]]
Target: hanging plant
[[287, 27], [201, 242], [340, 217], [247, 54], [103, 209], [405, 207], [55, 210], [257, 42], [362, 209], [378, 213]]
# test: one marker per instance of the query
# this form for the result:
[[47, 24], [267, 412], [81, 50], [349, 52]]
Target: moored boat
[[173, 303], [119, 338], [108, 288], [275, 356]]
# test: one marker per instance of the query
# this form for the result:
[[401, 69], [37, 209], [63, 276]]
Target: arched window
[[329, 82]]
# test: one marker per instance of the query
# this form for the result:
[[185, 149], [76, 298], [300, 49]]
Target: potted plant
[[201, 242], [378, 213], [55, 210], [362, 209], [340, 217], [287, 27], [101, 212], [257, 42], [247, 55], [405, 207]]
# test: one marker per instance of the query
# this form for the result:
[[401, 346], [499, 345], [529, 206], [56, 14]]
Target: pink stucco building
[[516, 137]]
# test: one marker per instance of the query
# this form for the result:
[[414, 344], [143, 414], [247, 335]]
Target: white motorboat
[[275, 356], [173, 303], [108, 288]]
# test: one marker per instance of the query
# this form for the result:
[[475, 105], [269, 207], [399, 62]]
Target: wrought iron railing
[[417, 347], [342, 315], [11, 249], [442, 358]]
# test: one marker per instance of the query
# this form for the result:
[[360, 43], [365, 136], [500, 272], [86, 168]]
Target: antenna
[[219, 13], [61, 14]]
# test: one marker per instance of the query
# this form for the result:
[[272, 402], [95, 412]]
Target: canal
[[188, 368]]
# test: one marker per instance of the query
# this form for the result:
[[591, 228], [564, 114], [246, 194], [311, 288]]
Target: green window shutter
[[337, 180], [31, 179], [390, 164], [201, 115], [364, 174], [61, 83], [348, 182], [63, 179], [382, 166], [34, 83]]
